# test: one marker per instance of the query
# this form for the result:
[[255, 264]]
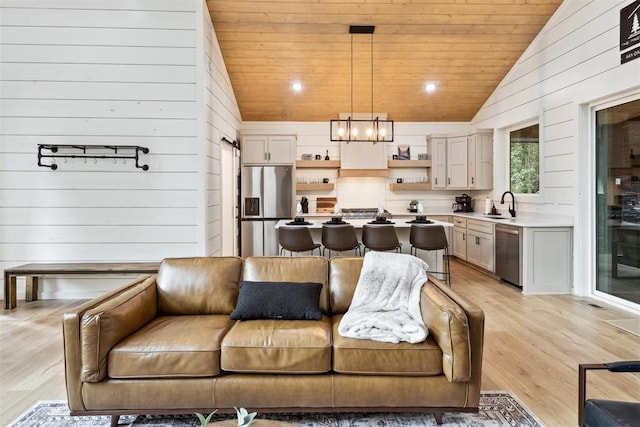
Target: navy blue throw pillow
[[278, 300]]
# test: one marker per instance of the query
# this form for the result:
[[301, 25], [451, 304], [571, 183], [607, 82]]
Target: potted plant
[[244, 417]]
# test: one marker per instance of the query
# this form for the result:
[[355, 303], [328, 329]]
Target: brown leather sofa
[[166, 344]]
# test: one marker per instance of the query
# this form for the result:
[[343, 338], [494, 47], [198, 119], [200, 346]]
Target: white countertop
[[358, 223], [524, 220]]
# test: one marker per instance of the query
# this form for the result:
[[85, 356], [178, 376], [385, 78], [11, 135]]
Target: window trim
[[524, 197]]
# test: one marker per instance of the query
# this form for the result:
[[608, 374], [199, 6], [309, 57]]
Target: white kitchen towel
[[386, 303]]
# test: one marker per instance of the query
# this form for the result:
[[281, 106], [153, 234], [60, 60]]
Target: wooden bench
[[33, 271]]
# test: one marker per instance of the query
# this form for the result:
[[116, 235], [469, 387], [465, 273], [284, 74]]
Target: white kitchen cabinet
[[462, 162], [480, 244], [459, 249], [457, 167], [480, 161], [263, 149], [473, 241], [437, 145], [547, 260]]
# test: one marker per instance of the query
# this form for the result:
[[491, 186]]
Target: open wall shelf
[[410, 186]]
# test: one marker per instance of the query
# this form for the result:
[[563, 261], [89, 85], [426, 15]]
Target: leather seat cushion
[[170, 347], [610, 413], [368, 357], [278, 346]]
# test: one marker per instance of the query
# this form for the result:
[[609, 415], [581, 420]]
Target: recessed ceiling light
[[296, 86], [430, 87]]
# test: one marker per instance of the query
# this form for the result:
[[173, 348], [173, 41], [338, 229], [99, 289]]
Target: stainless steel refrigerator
[[267, 197]]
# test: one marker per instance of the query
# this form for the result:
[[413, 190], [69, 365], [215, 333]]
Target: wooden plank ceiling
[[465, 46]]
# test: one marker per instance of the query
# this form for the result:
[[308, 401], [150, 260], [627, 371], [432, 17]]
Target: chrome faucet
[[512, 211]]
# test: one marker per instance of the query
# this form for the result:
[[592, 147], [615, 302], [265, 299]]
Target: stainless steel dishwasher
[[508, 250]]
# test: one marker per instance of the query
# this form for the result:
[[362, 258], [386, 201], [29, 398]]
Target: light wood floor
[[533, 345]]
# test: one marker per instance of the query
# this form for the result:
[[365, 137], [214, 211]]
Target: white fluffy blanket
[[386, 302]]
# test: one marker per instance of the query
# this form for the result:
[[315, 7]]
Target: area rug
[[628, 325], [497, 408]]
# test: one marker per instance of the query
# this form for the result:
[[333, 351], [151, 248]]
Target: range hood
[[363, 158]]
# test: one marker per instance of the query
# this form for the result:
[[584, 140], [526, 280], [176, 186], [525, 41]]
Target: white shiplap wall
[[572, 64], [221, 119], [116, 73]]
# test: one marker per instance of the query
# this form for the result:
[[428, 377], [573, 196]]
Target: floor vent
[[590, 304]]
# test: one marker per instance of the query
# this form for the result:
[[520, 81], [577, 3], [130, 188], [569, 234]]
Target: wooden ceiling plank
[[467, 46], [358, 8]]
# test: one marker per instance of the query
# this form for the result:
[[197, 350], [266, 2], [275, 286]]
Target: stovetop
[[363, 213]]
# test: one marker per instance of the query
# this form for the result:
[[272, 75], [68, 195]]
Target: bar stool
[[296, 239], [380, 238], [340, 238], [431, 238]]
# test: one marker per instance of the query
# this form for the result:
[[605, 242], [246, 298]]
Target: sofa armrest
[[457, 326], [106, 310], [446, 313]]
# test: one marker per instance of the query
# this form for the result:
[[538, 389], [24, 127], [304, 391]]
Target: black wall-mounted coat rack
[[58, 151]]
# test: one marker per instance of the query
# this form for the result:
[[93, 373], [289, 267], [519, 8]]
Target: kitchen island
[[402, 225]]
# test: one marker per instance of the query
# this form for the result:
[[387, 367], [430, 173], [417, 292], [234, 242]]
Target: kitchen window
[[524, 159]]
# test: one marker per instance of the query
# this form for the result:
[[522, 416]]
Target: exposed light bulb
[[369, 133], [354, 132], [296, 86]]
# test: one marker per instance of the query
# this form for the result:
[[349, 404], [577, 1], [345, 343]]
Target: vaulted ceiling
[[464, 46]]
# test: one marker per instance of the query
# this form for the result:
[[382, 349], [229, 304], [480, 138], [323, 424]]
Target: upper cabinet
[[457, 166], [437, 145], [264, 149], [462, 162], [480, 160]]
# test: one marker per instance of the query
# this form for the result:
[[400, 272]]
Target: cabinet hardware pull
[[436, 181], [473, 180], [464, 236], [449, 181]]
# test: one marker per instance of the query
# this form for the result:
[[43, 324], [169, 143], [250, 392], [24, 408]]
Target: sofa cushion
[[343, 278], [278, 300], [290, 269], [171, 346], [368, 357], [104, 325], [201, 285], [278, 346]]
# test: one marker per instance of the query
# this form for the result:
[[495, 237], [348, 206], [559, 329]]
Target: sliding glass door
[[618, 201]]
